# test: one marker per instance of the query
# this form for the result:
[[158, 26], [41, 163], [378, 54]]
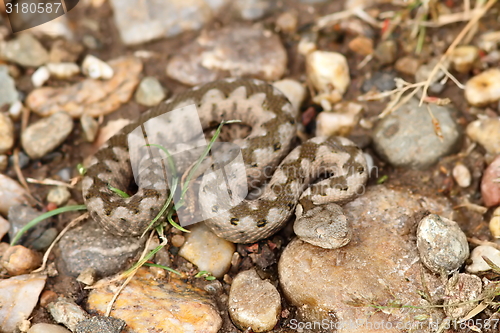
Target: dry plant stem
[[66, 228], [476, 241], [48, 181], [453, 45]]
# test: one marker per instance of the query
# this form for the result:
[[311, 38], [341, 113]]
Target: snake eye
[[235, 221], [361, 170], [277, 146], [261, 223]]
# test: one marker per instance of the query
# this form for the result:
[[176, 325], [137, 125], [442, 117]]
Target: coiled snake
[[336, 160]]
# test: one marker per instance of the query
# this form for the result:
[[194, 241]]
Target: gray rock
[[253, 302], [100, 324], [6, 133], [149, 92], [59, 195], [239, 51], [8, 92], [11, 193], [254, 9], [90, 246], [383, 81], [24, 160], [65, 311], [25, 51], [45, 239], [407, 136], [40, 138], [19, 215], [142, 21]]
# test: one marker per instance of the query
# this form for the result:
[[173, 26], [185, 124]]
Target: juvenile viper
[[273, 126]]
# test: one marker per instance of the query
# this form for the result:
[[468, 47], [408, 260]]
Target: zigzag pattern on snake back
[[273, 125]]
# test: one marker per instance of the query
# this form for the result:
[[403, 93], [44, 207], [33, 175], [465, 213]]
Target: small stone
[[254, 9], [339, 121], [48, 296], [4, 163], [18, 260], [293, 90], [92, 97], [149, 92], [24, 160], [178, 240], [65, 51], [4, 227], [329, 74], [63, 70], [90, 127], [307, 43], [462, 288], [45, 239], [25, 51], [8, 92], [40, 76], [463, 58], [87, 277], [21, 294], [489, 41], [207, 251], [238, 51], [15, 110], [407, 65], [95, 68], [248, 295], [442, 245], [381, 80], [20, 215], [287, 22], [495, 223], [361, 45], [59, 195], [483, 88], [407, 136], [65, 311], [100, 324], [89, 246], [486, 132], [462, 175], [425, 70], [385, 52], [478, 264], [490, 184], [6, 133], [176, 305], [11, 193], [47, 328], [40, 138]]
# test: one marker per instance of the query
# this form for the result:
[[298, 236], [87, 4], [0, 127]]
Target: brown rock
[[19, 260], [361, 45], [407, 65], [490, 184]]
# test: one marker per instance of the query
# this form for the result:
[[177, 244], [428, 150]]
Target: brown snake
[[273, 126]]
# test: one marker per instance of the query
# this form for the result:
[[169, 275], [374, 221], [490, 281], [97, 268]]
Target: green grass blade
[[164, 267]]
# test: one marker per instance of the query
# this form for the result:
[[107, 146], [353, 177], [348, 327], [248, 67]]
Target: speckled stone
[[172, 306], [25, 50], [47, 328]]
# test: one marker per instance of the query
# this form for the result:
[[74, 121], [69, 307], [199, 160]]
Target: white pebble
[[478, 263], [495, 223], [340, 121], [462, 175], [463, 58], [96, 69], [63, 70], [293, 90], [15, 110], [40, 76], [47, 328], [483, 88]]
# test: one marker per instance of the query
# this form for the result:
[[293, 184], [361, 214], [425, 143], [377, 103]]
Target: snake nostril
[[235, 221], [261, 223]]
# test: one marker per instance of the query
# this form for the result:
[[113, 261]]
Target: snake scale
[[309, 180]]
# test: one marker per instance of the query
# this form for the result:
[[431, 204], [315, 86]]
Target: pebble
[[495, 223], [293, 90], [149, 92], [40, 138], [91, 97], [65, 311], [141, 21], [254, 303], [24, 160], [339, 121], [254, 9], [6, 133], [322, 282], [63, 70], [207, 251], [489, 41], [176, 305], [90, 127], [47, 328], [483, 88], [462, 175], [407, 65], [424, 71], [462, 288], [21, 214], [64, 51], [95, 68], [329, 74], [407, 138], [18, 260], [307, 43], [8, 92], [478, 264], [25, 50], [100, 324], [486, 132], [45, 239], [88, 276], [361, 45], [385, 52], [89, 246], [59, 195], [442, 245], [21, 294], [178, 240], [463, 58], [57, 27], [381, 80], [287, 22], [16, 110], [4, 227], [11, 193], [490, 184], [40, 76], [240, 51]]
